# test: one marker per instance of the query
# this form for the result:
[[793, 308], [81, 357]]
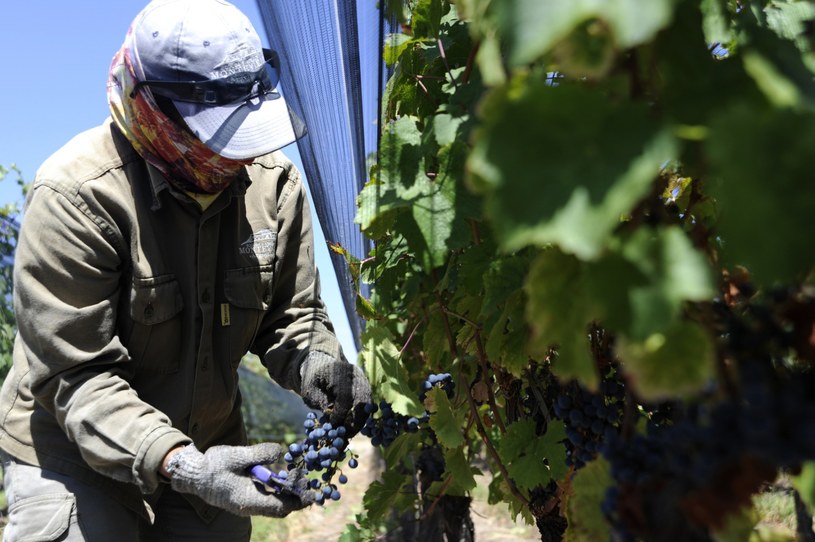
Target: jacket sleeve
[[67, 275], [297, 322]]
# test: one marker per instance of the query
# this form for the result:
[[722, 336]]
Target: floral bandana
[[183, 158]]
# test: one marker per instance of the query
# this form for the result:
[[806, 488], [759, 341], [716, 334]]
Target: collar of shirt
[[159, 183]]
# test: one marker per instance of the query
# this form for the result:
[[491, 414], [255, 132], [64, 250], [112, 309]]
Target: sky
[[54, 60]]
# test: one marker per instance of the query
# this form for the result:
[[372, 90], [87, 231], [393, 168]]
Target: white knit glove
[[221, 478]]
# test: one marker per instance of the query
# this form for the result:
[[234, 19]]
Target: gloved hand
[[221, 478], [334, 385]]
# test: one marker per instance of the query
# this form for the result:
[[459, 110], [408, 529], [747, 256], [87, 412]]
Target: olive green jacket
[[135, 307]]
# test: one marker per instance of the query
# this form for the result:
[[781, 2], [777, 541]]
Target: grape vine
[[593, 219]]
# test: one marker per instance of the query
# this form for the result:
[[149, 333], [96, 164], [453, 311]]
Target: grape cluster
[[383, 428], [442, 380], [323, 450], [590, 418], [702, 447]]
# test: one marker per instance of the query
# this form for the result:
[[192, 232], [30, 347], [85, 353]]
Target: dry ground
[[326, 523]]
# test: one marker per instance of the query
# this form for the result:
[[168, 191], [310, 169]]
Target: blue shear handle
[[263, 474]]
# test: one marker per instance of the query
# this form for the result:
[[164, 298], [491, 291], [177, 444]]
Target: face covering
[[183, 158]]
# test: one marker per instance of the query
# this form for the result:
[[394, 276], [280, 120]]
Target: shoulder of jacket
[[87, 156], [275, 173], [277, 160]]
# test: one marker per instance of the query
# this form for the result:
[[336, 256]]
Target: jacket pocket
[[40, 518], [249, 294], [155, 340]]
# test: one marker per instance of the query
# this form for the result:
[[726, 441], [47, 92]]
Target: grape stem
[[492, 451], [410, 337], [442, 490], [474, 410], [482, 358], [443, 56], [535, 387], [465, 77]]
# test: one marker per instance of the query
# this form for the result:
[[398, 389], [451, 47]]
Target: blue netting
[[331, 58]]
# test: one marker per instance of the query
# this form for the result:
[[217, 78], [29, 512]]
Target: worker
[[156, 251]]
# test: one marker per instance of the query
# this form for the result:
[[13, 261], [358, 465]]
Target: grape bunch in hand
[[323, 451]]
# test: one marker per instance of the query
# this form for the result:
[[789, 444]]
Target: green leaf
[[380, 357], [446, 128], [532, 460], [581, 175], [490, 61], [457, 466], [741, 525], [716, 21], [401, 164], [777, 67], [387, 493], [532, 27], [790, 20], [504, 276], [365, 308], [395, 45], [420, 197], [402, 446], [675, 271], [779, 90], [804, 482], [507, 343], [676, 362], [446, 422], [586, 521], [427, 16], [499, 492], [558, 311], [434, 341], [692, 80], [764, 190]]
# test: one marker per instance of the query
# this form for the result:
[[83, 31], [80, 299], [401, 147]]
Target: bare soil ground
[[326, 523]]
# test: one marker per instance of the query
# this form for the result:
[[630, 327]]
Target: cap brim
[[244, 130]]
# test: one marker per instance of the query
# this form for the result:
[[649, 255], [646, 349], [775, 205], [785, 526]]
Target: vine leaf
[[463, 474], [564, 296], [533, 26], [418, 196], [777, 67], [675, 272], [533, 460], [427, 16], [507, 342], [591, 173], [380, 357], [790, 21], [445, 421], [804, 482], [716, 23], [663, 354], [386, 494], [583, 508], [765, 189], [403, 445], [738, 526], [673, 363]]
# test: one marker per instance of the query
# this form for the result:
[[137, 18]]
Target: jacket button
[[205, 296], [148, 310], [194, 428]]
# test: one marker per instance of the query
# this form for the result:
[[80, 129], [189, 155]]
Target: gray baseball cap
[[207, 58]]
